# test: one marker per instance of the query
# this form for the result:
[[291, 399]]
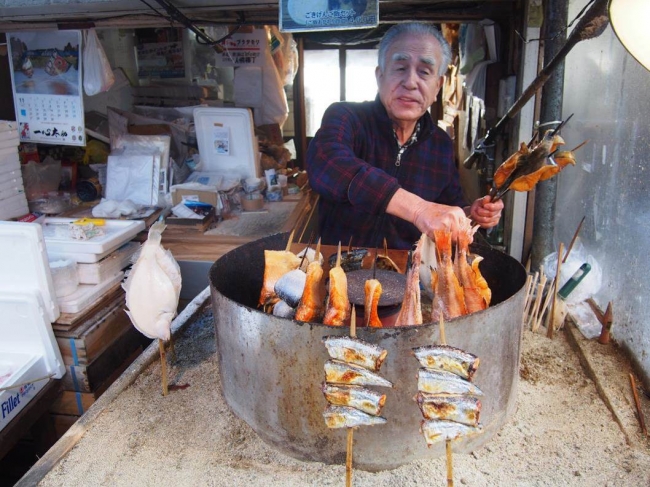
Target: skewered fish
[[311, 304], [443, 382], [448, 298], [283, 310], [355, 351], [476, 292], [351, 260], [337, 372], [276, 264], [435, 430], [525, 168], [337, 309], [290, 286], [428, 264], [372, 289], [461, 409], [450, 359], [411, 311], [348, 417], [153, 287], [366, 400]]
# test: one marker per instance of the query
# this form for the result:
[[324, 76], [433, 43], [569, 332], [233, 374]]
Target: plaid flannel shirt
[[354, 164]]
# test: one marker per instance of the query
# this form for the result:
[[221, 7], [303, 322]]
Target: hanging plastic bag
[[98, 75]]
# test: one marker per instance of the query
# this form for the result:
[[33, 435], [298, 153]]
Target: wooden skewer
[[551, 326], [549, 296], [573, 240], [639, 411], [529, 300], [450, 463], [338, 256], [163, 364], [534, 321], [348, 456], [290, 241]]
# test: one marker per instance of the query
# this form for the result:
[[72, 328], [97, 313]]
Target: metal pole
[[555, 20]]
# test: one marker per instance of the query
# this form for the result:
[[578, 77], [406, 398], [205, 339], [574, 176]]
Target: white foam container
[[29, 354], [87, 295], [94, 273], [24, 265], [241, 161], [60, 245]]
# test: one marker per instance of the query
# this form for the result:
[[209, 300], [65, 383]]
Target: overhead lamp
[[629, 19]]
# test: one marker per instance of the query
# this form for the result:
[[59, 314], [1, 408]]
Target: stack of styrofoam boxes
[[13, 202], [29, 353]]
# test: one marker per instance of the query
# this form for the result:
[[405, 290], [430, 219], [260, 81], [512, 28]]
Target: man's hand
[[426, 216], [485, 213]]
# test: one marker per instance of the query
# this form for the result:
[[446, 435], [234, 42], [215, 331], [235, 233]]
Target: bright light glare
[[629, 20]]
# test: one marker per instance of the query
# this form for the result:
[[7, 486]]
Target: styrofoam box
[[110, 265], [87, 295], [29, 354], [214, 124], [24, 265], [116, 232]]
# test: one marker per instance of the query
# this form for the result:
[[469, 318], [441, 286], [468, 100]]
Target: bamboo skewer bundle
[[534, 322], [529, 295]]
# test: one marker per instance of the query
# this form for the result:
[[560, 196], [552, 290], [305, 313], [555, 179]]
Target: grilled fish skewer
[[348, 417], [450, 359], [355, 351], [337, 309]]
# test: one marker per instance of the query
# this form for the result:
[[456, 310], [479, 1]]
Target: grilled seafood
[[476, 292], [337, 372], [351, 260], [372, 289], [411, 311], [366, 400], [290, 286], [525, 168], [153, 287], [436, 430], [276, 264], [311, 306], [355, 351], [450, 359], [448, 296], [460, 409], [348, 417], [337, 309], [443, 382], [283, 310]]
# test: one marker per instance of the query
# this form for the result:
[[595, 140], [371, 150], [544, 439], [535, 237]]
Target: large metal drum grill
[[272, 368]]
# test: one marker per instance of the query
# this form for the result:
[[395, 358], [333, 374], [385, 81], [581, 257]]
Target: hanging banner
[[311, 15], [46, 80]]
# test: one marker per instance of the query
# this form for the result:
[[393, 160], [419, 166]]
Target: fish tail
[[156, 230], [443, 242]]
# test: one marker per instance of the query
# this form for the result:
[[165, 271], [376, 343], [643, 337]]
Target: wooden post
[[163, 365]]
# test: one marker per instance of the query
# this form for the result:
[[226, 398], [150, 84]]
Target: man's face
[[410, 83]]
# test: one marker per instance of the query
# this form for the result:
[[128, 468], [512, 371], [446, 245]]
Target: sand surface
[[562, 434]]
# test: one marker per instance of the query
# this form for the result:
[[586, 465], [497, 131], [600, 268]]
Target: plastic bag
[[589, 286], [98, 75]]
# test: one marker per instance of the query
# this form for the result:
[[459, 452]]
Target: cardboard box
[[210, 197]]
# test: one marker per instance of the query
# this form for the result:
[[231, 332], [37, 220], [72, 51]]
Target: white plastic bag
[[98, 75]]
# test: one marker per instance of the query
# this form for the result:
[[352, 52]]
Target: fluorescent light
[[629, 20]]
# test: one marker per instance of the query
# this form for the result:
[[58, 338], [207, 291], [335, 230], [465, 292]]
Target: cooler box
[[227, 142]]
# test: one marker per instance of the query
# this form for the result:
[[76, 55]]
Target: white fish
[[153, 287]]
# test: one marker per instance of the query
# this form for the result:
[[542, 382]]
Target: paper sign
[[221, 140]]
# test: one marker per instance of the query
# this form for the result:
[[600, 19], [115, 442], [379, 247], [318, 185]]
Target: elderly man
[[388, 157]]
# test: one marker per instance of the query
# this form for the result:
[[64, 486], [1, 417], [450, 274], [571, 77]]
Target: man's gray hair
[[414, 28]]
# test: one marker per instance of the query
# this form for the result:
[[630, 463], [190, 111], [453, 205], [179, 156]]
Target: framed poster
[[46, 80], [311, 15]]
